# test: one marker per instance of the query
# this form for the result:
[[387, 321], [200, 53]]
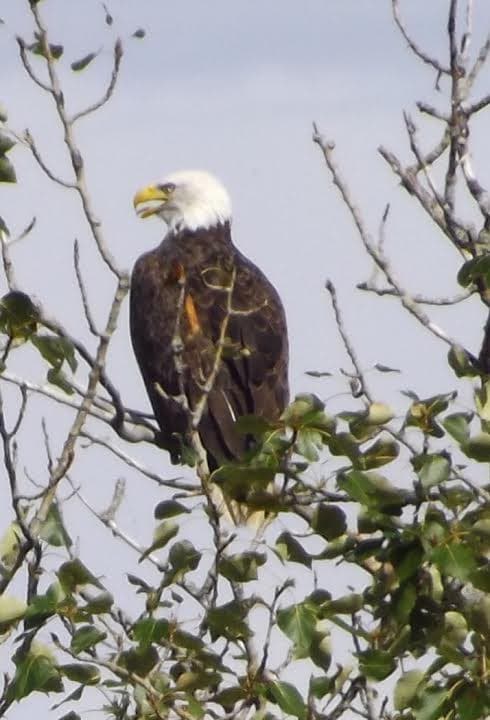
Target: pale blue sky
[[233, 87]]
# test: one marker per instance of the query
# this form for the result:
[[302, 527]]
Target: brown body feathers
[[192, 297]]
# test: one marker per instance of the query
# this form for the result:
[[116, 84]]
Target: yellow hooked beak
[[156, 196]]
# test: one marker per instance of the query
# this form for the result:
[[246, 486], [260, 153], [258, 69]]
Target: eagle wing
[[252, 378]]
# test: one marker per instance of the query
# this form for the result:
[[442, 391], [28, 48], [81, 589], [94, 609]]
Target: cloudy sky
[[234, 87]]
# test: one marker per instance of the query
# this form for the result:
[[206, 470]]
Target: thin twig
[[427, 59], [83, 291], [359, 376], [420, 299], [118, 53], [380, 260], [173, 483]]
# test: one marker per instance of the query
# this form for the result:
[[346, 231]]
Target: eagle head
[[186, 200]]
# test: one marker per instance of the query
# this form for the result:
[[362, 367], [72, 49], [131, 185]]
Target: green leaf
[[383, 451], [480, 578], [478, 447], [430, 703], [11, 610], [168, 509], [298, 624], [321, 686], [288, 548], [408, 561], [345, 605], [38, 48], [7, 171], [303, 408], [182, 639], [55, 350], [42, 607], [58, 378], [184, 557], [228, 621], [308, 443], [85, 638], [10, 544], [81, 672], [53, 531], [3, 228], [100, 604], [6, 143], [238, 481], [462, 362], [36, 671], [475, 269], [344, 444], [151, 630], [329, 521], [288, 698], [403, 602], [241, 567], [162, 535], [194, 708], [228, 697], [455, 628], [473, 703], [458, 425], [455, 559], [74, 575], [385, 369], [81, 64], [432, 469], [253, 425], [108, 17], [320, 650], [18, 315], [140, 660], [406, 689], [370, 489], [422, 413], [376, 664]]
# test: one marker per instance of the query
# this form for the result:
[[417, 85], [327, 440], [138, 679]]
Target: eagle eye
[[167, 187]]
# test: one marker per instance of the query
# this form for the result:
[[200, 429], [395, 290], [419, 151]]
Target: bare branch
[[362, 388], [479, 62], [28, 67], [421, 299], [106, 519], [118, 53], [427, 59], [380, 259], [56, 93], [479, 105], [429, 158], [466, 235], [468, 32], [83, 291], [173, 483], [432, 111], [8, 267], [29, 140], [29, 542]]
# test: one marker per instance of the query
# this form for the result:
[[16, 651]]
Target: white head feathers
[[186, 200]]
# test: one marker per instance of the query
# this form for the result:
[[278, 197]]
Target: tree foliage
[[212, 629]]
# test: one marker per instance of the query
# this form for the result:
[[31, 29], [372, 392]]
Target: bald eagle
[[207, 327]]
